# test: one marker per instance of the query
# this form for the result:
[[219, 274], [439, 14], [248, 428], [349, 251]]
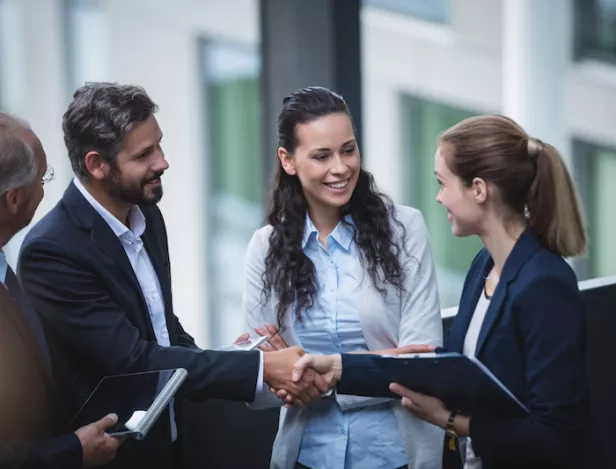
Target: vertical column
[[537, 46], [302, 44]]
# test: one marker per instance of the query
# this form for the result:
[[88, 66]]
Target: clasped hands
[[298, 378]]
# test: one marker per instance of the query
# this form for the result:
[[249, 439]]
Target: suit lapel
[[468, 302], [18, 320], [524, 249], [157, 256], [105, 242], [110, 248]]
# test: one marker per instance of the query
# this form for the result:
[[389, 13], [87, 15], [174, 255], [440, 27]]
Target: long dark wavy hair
[[289, 273]]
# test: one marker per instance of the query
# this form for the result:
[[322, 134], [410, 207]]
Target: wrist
[[443, 418], [337, 367], [267, 366]]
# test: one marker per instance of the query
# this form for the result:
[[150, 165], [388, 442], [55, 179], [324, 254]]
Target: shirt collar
[[136, 219], [342, 234]]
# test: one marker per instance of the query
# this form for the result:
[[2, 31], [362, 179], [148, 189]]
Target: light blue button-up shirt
[[364, 438], [3, 267]]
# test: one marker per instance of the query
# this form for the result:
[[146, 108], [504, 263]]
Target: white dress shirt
[[470, 345], [146, 276], [144, 270]]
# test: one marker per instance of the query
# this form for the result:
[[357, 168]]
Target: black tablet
[[137, 399]]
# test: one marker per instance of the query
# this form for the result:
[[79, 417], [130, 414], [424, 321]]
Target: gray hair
[[18, 166]]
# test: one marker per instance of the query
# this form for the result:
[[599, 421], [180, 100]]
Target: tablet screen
[[128, 396]]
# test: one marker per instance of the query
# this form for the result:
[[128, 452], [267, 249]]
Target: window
[[596, 170], [234, 193], [436, 11], [595, 29], [422, 121], [12, 88], [85, 36]]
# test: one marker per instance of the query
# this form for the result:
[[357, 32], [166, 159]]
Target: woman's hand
[[424, 407], [399, 350], [430, 409], [274, 341]]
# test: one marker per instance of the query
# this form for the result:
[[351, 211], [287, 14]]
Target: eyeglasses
[[49, 175]]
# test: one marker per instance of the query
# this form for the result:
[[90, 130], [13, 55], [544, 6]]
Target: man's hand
[[98, 447], [278, 368]]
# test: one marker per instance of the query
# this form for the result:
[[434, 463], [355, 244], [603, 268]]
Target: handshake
[[298, 378]]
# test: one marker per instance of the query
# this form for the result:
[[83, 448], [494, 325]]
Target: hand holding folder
[[462, 383]]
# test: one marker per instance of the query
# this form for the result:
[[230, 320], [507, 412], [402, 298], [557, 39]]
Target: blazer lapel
[[104, 241], [157, 256], [468, 302], [523, 250]]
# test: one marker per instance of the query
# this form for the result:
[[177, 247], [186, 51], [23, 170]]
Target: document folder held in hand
[[462, 383], [138, 399]]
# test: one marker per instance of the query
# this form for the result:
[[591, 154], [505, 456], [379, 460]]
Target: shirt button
[[342, 431]]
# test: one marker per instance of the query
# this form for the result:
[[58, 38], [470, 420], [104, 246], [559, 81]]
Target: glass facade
[[436, 11], [422, 121], [234, 192], [596, 173], [595, 29]]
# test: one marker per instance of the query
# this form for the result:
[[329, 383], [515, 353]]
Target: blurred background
[[409, 69]]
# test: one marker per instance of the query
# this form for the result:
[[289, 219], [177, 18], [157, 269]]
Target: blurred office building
[[422, 66]]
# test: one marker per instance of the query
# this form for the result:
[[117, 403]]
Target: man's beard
[[132, 192]]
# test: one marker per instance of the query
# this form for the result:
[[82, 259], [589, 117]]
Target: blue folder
[[462, 383]]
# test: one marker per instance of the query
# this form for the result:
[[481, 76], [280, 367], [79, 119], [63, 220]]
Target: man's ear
[[14, 199], [288, 164], [96, 165]]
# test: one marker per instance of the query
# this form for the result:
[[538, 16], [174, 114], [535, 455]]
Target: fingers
[[408, 405], [106, 422], [266, 347], [243, 338], [321, 384], [114, 443], [408, 394], [275, 340], [416, 349], [306, 361], [311, 391], [400, 390], [407, 400]]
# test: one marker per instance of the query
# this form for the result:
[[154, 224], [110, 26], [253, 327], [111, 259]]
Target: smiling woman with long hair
[[340, 268]]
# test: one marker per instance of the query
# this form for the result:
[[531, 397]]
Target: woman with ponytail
[[340, 268], [520, 313]]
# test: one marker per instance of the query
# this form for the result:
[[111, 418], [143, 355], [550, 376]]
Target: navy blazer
[[533, 340], [82, 284]]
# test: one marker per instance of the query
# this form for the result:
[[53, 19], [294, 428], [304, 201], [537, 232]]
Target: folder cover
[[138, 399], [462, 383]]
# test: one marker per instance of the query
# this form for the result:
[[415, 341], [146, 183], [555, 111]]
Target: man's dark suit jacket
[[533, 340], [33, 425], [81, 282]]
